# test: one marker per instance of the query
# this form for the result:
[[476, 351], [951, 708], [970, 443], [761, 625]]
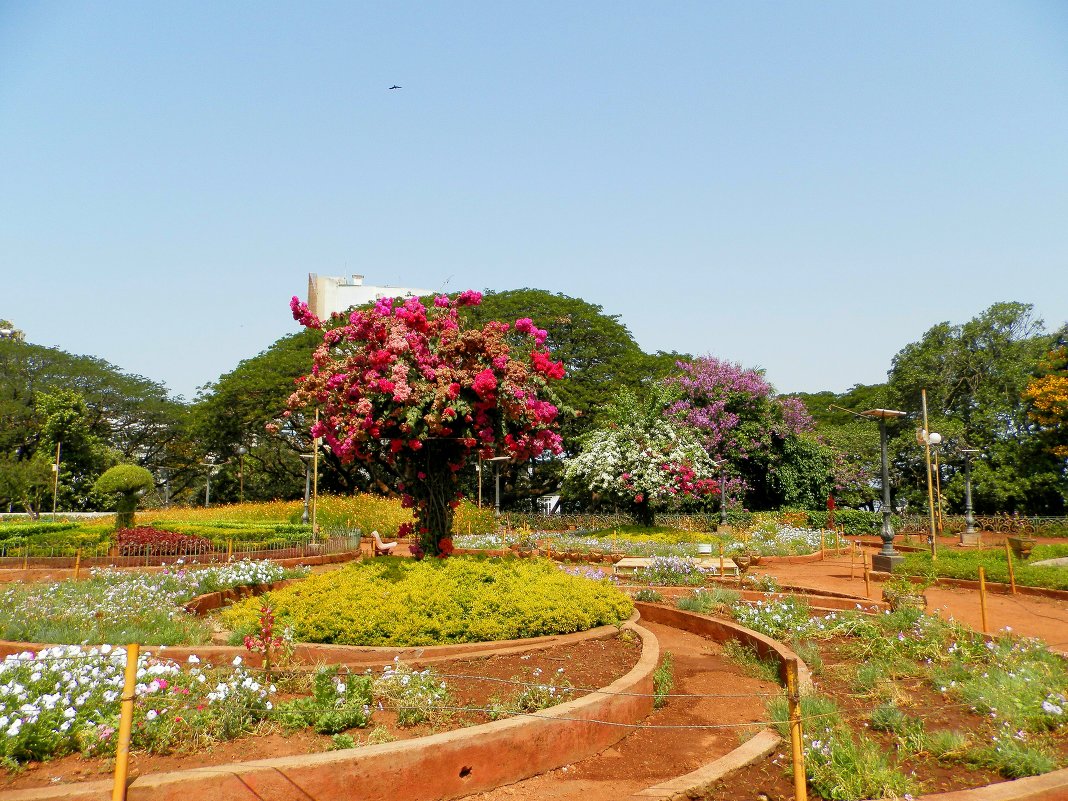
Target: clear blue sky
[[805, 187]]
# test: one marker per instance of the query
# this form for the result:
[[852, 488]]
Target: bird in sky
[[394, 86]]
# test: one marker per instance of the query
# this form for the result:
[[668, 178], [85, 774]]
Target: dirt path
[[651, 755]]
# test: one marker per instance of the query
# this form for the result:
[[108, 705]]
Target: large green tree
[[975, 375], [47, 394], [600, 357]]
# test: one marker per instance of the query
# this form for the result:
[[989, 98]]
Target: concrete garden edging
[[439, 766], [1052, 786]]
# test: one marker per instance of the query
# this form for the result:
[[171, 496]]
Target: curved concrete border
[[440, 766], [687, 786], [722, 631], [356, 655], [1051, 786]]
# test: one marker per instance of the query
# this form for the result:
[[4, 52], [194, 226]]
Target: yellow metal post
[[77, 563], [982, 596], [122, 752], [1012, 573], [800, 783]]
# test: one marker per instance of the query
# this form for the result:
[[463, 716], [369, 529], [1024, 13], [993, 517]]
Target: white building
[[328, 294]]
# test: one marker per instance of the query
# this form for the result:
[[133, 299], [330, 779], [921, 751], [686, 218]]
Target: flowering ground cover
[[120, 606], [391, 601], [772, 540], [65, 701], [907, 703]]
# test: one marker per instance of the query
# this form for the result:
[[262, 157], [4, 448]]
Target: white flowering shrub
[[123, 605], [671, 571], [415, 694], [67, 699]]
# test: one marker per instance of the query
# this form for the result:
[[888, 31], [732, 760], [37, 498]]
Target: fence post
[[794, 698], [122, 751], [867, 577], [982, 596], [77, 563], [1012, 572]]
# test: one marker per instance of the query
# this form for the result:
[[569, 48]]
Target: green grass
[[966, 564], [663, 680]]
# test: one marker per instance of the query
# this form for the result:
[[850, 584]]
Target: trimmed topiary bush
[[129, 482]]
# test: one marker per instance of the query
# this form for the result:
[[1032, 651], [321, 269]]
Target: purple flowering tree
[[767, 440]]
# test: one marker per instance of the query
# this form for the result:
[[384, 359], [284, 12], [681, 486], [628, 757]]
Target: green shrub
[[401, 602]]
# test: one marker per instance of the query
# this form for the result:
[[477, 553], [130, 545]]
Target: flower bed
[[123, 606], [911, 688], [399, 602]]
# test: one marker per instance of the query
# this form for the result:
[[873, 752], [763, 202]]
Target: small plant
[[946, 744], [337, 703], [268, 643], [648, 595], [417, 695], [534, 694], [663, 680], [750, 661], [1013, 754], [709, 600], [340, 742]]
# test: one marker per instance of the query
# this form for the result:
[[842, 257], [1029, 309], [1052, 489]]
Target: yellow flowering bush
[[395, 602]]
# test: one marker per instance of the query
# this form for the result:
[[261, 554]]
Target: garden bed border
[[439, 766]]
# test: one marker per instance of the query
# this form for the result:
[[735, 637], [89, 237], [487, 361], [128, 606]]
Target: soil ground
[[586, 664], [686, 734], [767, 779]]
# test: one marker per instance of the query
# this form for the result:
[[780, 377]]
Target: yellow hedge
[[397, 602]]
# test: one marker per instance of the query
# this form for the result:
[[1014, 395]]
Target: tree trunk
[[434, 494], [643, 514]]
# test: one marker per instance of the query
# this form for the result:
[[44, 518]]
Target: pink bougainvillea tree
[[411, 390]]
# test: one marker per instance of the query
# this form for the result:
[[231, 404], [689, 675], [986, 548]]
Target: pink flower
[[485, 384]]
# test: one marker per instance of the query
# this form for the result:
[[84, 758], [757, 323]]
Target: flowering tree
[[1047, 393], [765, 438], [411, 390], [641, 461]]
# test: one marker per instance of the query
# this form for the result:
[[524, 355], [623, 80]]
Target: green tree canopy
[[975, 375]]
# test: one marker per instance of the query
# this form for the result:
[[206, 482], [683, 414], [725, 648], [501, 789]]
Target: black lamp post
[[887, 558], [970, 536]]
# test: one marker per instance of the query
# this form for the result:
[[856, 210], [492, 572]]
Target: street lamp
[[887, 557], [241, 451], [55, 481], [969, 536], [722, 465], [209, 464], [497, 481], [931, 440], [307, 457]]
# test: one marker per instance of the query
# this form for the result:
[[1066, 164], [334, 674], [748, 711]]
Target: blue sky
[[801, 187]]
